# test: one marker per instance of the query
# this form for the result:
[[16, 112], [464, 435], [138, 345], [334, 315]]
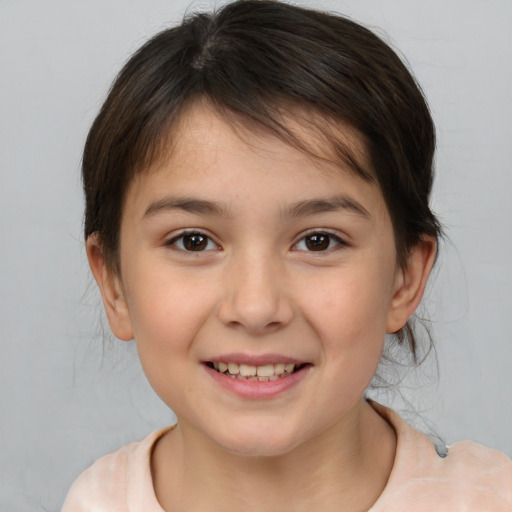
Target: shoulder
[[470, 478], [117, 480], [480, 470]]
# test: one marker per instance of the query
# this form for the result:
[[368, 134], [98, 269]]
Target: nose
[[255, 296]]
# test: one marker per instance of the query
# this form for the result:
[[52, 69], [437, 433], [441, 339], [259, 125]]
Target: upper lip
[[255, 360]]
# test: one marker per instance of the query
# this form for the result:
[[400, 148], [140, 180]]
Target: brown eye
[[193, 242], [318, 242]]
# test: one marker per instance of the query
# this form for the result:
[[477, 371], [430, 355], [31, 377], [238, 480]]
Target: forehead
[[215, 153], [330, 143]]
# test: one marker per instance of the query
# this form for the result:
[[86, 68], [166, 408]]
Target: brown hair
[[260, 61]]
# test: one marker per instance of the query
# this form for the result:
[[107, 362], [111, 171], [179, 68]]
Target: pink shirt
[[471, 478]]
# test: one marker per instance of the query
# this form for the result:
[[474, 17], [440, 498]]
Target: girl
[[257, 218]]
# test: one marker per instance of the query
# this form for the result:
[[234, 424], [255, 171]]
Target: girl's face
[[242, 251]]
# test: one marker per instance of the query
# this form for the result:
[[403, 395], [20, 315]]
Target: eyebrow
[[332, 204], [187, 204], [298, 209]]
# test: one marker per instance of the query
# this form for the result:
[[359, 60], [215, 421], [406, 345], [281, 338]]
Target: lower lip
[[255, 390]]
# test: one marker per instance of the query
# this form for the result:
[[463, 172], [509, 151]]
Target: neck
[[346, 468]]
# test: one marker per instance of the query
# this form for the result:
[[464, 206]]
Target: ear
[[111, 290], [410, 283]]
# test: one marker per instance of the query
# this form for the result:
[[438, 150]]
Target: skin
[[258, 289]]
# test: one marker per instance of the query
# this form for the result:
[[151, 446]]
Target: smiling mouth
[[263, 373]]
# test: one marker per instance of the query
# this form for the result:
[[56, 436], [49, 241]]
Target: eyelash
[[331, 237], [207, 240], [182, 236]]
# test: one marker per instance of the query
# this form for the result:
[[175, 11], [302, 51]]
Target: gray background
[[67, 396]]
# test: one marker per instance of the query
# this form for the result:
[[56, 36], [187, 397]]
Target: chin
[[262, 442]]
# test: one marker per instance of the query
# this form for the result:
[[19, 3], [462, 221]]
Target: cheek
[[350, 306], [166, 316], [349, 313]]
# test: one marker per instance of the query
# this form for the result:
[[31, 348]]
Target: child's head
[[261, 61], [325, 86]]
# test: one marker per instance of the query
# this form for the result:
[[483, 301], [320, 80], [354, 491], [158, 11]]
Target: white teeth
[[262, 373], [265, 371], [247, 370], [279, 369], [233, 368]]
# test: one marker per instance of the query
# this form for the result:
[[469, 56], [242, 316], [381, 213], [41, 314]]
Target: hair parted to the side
[[263, 62]]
